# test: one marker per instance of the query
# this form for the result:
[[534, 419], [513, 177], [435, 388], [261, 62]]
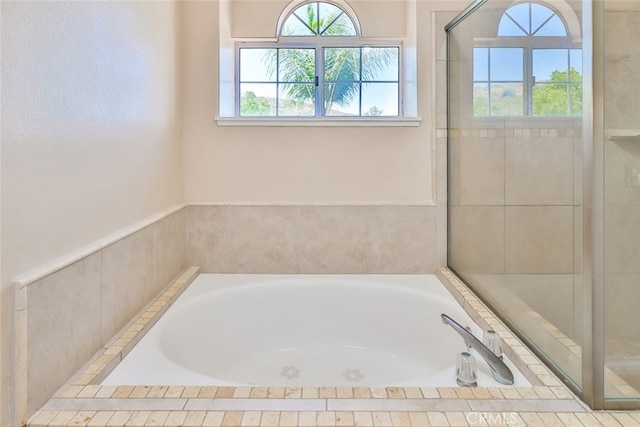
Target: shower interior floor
[[557, 336]]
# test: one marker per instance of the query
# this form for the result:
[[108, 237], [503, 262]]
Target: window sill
[[320, 122]]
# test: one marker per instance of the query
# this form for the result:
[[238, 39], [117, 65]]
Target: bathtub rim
[[105, 360], [158, 360], [83, 391]]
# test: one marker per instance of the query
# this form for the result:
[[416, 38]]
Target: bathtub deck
[[84, 402]]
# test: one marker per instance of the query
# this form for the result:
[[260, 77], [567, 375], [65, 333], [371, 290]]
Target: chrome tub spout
[[501, 372]]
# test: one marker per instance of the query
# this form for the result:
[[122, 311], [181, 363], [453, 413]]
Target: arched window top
[[318, 19], [531, 19]]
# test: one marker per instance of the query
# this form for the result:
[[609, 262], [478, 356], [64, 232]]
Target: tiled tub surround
[[83, 401], [68, 310], [106, 283]]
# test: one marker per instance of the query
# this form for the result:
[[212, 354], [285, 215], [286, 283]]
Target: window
[[318, 67], [532, 67]]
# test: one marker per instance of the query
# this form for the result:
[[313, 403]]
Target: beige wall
[[89, 129], [378, 18], [297, 165]]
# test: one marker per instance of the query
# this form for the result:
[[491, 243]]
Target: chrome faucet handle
[[500, 370], [493, 342]]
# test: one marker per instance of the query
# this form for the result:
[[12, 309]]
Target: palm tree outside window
[[319, 67]]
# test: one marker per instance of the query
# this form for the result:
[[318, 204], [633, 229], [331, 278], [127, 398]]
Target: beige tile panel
[[539, 171], [63, 327], [621, 91], [477, 175], [621, 242], [170, 247], [622, 317], [250, 239], [334, 240], [127, 280], [476, 239], [312, 239], [539, 239]]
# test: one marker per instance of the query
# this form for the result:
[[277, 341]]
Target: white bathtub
[[305, 330]]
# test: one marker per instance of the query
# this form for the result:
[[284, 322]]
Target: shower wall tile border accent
[[510, 133], [83, 401]]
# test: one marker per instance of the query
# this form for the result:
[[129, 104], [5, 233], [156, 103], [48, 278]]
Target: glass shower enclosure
[[543, 140]]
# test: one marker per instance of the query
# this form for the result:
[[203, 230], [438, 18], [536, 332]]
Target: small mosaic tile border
[[614, 380], [84, 402], [531, 367], [610, 377], [510, 133]]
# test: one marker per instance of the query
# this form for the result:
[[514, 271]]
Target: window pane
[[295, 26], [575, 61], [509, 28], [520, 14], [333, 21], [506, 64], [297, 100], [341, 64], [380, 99], [555, 27], [539, 14], [257, 65], [380, 64], [481, 99], [575, 97], [342, 99], [550, 99], [507, 99], [258, 99], [297, 65], [328, 13], [481, 64], [341, 27], [308, 15], [550, 65]]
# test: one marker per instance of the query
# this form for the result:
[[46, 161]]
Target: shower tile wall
[[66, 316], [514, 194], [521, 191], [313, 239], [622, 198]]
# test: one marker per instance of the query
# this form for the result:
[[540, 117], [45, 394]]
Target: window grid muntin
[[528, 43], [490, 82], [529, 31], [361, 80], [277, 81], [318, 43], [568, 84], [319, 31]]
